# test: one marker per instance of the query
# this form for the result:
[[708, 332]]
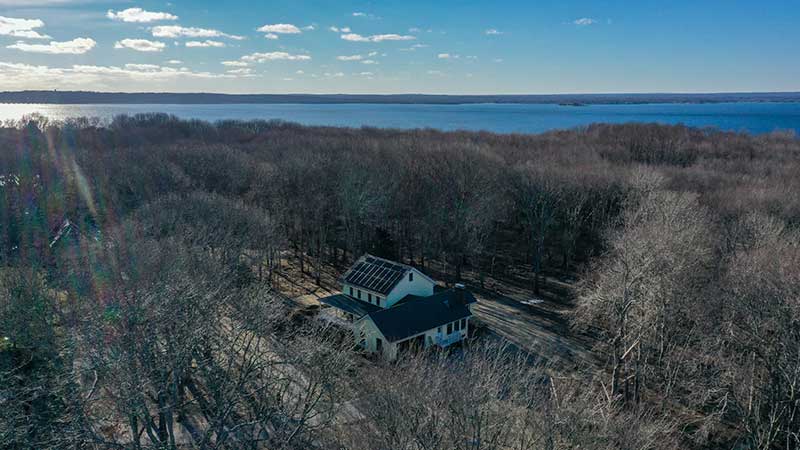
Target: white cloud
[[140, 45], [353, 37], [274, 56], [176, 31], [340, 29], [365, 15], [299, 72], [493, 32], [235, 63], [333, 75], [205, 44], [138, 15], [369, 61], [447, 56], [21, 28], [77, 46], [437, 73], [142, 67], [271, 36], [311, 27], [584, 21], [243, 71], [350, 58], [14, 76], [415, 30], [366, 74], [175, 62], [280, 28]]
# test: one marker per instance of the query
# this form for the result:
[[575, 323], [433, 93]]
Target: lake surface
[[501, 118]]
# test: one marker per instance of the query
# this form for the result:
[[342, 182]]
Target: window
[[378, 301], [457, 325], [378, 344], [463, 324], [439, 330], [369, 298], [449, 328], [359, 294], [410, 276], [351, 291]]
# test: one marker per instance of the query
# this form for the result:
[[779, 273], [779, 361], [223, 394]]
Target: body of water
[[501, 118]]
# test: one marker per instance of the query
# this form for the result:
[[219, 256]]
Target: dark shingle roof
[[413, 314], [375, 274], [350, 305]]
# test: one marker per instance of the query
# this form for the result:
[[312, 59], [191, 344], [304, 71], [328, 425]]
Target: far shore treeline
[[87, 97]]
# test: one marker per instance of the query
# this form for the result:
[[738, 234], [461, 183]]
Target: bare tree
[[643, 286], [763, 336]]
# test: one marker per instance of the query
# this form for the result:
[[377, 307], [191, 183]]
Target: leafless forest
[[141, 265]]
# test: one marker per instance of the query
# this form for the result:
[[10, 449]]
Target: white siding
[[365, 295], [420, 285], [365, 329], [432, 336]]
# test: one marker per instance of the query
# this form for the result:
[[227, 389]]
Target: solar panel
[[375, 274]]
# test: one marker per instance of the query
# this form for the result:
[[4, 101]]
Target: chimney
[[460, 294]]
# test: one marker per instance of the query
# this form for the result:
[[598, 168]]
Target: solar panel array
[[375, 274]]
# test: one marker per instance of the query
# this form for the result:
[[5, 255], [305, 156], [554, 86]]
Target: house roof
[[376, 274], [413, 314], [350, 305]]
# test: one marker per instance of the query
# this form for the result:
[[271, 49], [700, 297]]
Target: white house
[[394, 307]]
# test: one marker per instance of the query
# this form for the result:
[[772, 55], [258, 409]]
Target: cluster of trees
[[150, 322]]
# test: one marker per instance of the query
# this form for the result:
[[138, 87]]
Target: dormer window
[[351, 291], [410, 276], [369, 298]]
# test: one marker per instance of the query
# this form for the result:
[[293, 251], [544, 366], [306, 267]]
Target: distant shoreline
[[88, 98]]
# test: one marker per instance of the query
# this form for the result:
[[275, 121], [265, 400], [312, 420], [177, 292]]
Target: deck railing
[[444, 341]]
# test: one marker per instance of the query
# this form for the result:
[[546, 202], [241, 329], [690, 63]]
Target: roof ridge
[[389, 261], [407, 266]]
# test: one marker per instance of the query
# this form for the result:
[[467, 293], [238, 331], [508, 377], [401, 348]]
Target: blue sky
[[392, 46]]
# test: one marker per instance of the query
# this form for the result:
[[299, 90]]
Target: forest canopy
[[138, 306]]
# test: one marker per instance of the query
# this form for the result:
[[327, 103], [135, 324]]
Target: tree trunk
[[318, 269], [134, 424]]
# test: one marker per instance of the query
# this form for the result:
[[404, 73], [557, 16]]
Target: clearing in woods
[[507, 307]]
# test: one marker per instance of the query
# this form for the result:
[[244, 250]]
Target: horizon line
[[620, 93]]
